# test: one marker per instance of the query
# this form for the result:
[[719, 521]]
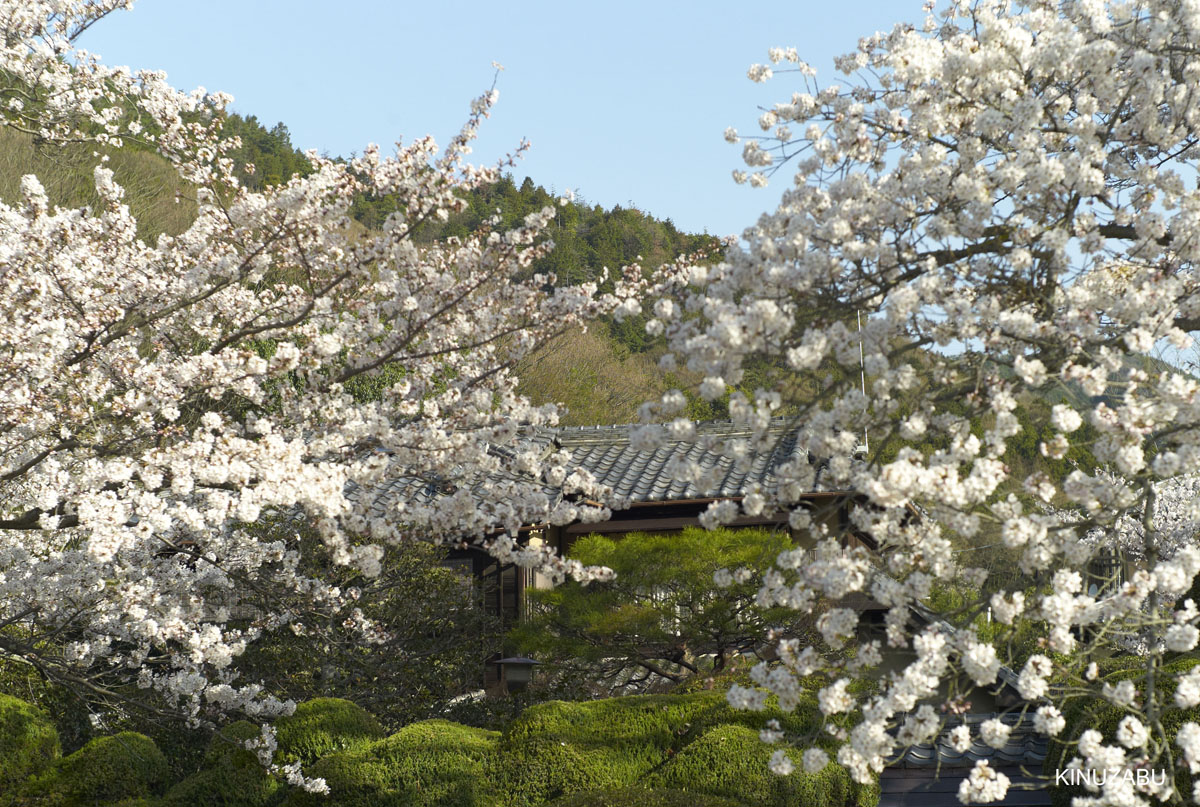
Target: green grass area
[[597, 380], [156, 196]]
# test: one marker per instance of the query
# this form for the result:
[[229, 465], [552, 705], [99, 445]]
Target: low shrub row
[[123, 770], [683, 750]]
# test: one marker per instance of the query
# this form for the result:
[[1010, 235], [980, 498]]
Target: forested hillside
[[601, 376]]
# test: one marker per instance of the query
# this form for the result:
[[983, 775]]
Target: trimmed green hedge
[[690, 746], [434, 763], [28, 744], [231, 775], [228, 743], [1093, 713], [323, 726], [118, 768], [558, 749], [731, 761], [682, 750]]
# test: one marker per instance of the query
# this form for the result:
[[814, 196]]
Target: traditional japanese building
[[651, 499]]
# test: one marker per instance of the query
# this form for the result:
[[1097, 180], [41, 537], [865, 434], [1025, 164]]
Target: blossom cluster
[[988, 241], [178, 419]]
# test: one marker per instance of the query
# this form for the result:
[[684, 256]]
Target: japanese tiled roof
[[926, 787], [929, 775], [419, 490], [633, 475], [1025, 747], [642, 476]]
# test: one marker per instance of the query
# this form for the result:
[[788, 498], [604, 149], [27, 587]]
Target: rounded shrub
[[730, 761], [323, 726], [231, 775], [434, 763], [226, 785], [229, 743], [118, 768], [28, 743], [559, 748], [538, 769]]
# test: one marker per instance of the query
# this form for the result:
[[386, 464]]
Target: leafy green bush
[[231, 775], [558, 749], [28, 743], [229, 743], [117, 768], [653, 750], [637, 797], [658, 611], [731, 761], [322, 726], [227, 785], [433, 763]]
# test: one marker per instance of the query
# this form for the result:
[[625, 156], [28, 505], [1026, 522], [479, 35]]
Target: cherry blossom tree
[[1008, 196], [171, 412]]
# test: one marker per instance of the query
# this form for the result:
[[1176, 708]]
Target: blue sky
[[624, 102]]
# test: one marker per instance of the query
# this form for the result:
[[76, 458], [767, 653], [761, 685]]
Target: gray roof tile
[[1024, 747], [638, 476], [642, 476]]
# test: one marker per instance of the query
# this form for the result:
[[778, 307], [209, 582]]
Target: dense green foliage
[[587, 238], [28, 743], [430, 763], [230, 775], [661, 750], [660, 615], [636, 797], [270, 151], [322, 726], [437, 639], [558, 750], [108, 770], [228, 742], [731, 761]]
